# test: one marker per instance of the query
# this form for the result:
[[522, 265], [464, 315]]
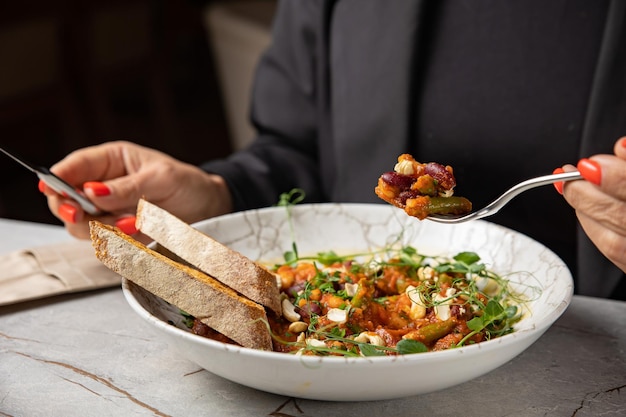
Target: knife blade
[[57, 184]]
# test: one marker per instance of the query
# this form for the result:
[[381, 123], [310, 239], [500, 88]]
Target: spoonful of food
[[426, 191]]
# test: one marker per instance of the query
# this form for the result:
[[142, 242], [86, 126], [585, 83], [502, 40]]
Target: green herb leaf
[[467, 258], [493, 311], [408, 346], [290, 257], [511, 311], [475, 324], [409, 250], [370, 350], [337, 332]]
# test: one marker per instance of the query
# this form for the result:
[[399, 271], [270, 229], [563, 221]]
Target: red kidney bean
[[401, 181], [308, 309], [455, 310], [295, 289], [405, 195], [441, 175]]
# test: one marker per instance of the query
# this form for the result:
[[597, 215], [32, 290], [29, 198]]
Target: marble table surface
[[88, 354]]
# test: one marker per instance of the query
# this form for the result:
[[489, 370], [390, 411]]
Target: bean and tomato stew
[[403, 302]]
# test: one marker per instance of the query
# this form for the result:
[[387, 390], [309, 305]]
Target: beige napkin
[[44, 271]]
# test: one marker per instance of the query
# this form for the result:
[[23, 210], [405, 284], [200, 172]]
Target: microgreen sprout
[[494, 321], [288, 200]]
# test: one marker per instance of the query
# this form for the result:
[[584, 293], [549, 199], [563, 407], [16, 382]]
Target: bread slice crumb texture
[[208, 255], [194, 292]]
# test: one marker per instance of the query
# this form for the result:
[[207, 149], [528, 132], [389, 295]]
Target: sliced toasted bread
[[216, 305], [208, 255]]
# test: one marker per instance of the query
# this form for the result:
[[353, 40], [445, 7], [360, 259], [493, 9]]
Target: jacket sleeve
[[285, 153]]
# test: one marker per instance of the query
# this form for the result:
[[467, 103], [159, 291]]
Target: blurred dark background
[[76, 73]]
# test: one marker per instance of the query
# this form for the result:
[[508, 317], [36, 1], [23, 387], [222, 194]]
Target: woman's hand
[[600, 202], [115, 175]]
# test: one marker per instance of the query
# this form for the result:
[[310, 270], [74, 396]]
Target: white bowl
[[265, 235]]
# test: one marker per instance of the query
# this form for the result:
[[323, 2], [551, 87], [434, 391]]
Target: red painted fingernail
[[67, 213], [127, 225], [41, 186], [590, 170], [558, 185], [99, 189], [623, 142]]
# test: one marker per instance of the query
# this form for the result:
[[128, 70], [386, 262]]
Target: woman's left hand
[[600, 201]]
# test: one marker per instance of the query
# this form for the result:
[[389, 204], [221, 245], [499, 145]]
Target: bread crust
[[209, 256], [194, 292]]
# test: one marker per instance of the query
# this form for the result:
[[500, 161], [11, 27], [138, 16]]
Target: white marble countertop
[[88, 354]]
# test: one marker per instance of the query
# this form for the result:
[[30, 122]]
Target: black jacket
[[334, 105]]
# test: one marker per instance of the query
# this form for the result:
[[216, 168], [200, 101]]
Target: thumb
[[620, 148]]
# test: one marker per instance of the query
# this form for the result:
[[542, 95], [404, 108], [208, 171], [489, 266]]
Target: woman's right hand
[[115, 175], [600, 201]]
